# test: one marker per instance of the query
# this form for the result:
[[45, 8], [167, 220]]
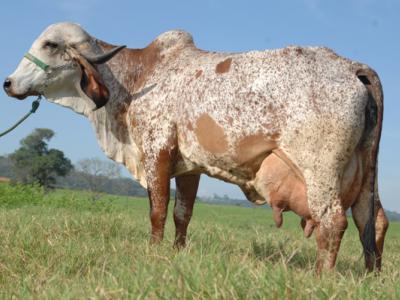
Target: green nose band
[[37, 61]]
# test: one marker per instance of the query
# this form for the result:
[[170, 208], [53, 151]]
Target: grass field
[[65, 246]]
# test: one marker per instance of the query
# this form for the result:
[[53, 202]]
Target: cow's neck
[[125, 75], [130, 69]]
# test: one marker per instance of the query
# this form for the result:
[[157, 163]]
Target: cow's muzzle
[[8, 88]]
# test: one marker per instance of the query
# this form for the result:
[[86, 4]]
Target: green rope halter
[[37, 61], [35, 106]]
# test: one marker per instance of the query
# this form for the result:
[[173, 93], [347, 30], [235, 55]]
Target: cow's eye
[[51, 45]]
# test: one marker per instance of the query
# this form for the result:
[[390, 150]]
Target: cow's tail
[[372, 134]]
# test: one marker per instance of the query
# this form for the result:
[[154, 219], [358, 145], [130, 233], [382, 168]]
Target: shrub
[[15, 195]]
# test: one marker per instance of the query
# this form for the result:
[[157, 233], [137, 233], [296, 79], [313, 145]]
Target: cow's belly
[[237, 163], [208, 147], [224, 168]]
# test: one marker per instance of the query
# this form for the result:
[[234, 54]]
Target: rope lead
[[35, 106]]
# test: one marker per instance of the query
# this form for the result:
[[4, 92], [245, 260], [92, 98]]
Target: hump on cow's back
[[174, 38]]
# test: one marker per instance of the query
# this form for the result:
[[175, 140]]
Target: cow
[[297, 128]]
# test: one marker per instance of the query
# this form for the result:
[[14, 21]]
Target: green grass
[[65, 246]]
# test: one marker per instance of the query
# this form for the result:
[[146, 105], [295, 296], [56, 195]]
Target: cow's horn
[[104, 57]]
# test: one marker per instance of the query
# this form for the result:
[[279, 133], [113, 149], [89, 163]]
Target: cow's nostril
[[7, 84]]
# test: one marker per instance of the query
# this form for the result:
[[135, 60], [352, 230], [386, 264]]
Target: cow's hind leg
[[360, 212], [328, 213], [186, 190], [329, 235]]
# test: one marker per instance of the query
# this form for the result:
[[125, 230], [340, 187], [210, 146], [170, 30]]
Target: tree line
[[35, 162]]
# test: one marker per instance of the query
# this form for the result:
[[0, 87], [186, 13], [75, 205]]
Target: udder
[[277, 183], [285, 190]]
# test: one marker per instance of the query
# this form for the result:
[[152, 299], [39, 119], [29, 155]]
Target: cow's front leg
[[158, 171], [186, 190]]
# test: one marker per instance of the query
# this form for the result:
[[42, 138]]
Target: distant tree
[[97, 173], [126, 186], [35, 162], [6, 167]]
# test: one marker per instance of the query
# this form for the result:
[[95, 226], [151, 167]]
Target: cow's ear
[[91, 83]]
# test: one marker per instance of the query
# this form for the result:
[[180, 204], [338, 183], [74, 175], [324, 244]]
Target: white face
[[60, 83]]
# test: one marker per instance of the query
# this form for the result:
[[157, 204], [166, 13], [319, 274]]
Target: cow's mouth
[[22, 96]]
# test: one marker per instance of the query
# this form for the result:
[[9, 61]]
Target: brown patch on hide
[[210, 135], [223, 66], [140, 63], [198, 73], [252, 146], [149, 57]]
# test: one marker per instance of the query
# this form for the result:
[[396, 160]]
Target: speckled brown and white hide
[[288, 126]]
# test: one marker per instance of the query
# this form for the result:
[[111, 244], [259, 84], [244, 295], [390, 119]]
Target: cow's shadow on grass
[[279, 252], [301, 257]]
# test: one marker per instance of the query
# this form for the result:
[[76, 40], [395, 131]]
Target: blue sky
[[364, 30]]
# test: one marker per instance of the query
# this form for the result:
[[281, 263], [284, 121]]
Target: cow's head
[[61, 65]]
